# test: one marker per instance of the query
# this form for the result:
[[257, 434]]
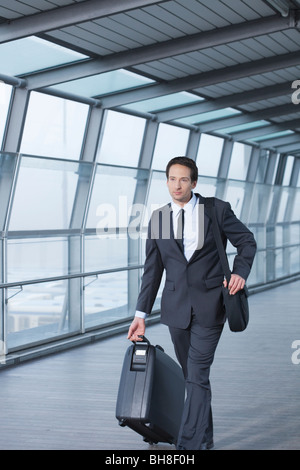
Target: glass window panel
[[108, 251], [32, 54], [278, 236], [37, 313], [5, 94], [171, 142], [206, 186], [239, 161], [295, 233], [106, 299], [258, 271], [209, 155], [122, 139], [296, 208], [104, 83], [235, 193], [260, 203], [112, 196], [44, 194], [54, 127], [279, 266], [163, 102], [282, 205], [38, 258], [288, 171], [295, 259]]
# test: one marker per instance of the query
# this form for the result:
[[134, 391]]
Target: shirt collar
[[189, 206]]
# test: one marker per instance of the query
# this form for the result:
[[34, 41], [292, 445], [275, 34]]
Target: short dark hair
[[185, 161]]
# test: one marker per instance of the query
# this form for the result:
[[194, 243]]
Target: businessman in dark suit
[[181, 243]]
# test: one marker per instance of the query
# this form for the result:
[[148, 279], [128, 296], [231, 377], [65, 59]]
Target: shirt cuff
[[140, 314]]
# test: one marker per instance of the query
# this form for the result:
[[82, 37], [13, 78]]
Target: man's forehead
[[180, 170]]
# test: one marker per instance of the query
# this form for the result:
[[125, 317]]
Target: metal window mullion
[[134, 248], [193, 144], [3, 295], [75, 293], [94, 126], [271, 166], [224, 168], [295, 172], [253, 165], [16, 120], [250, 185]]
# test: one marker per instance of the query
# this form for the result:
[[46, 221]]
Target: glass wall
[[73, 231]]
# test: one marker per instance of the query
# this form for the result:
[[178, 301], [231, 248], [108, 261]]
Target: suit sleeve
[[153, 270], [242, 239]]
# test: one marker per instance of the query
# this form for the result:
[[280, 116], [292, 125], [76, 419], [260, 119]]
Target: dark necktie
[[180, 228]]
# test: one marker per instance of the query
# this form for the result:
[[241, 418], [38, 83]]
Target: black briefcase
[[151, 393]]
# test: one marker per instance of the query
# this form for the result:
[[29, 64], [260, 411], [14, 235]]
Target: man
[[191, 303]]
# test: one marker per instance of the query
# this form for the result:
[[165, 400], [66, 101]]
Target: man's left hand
[[236, 283]]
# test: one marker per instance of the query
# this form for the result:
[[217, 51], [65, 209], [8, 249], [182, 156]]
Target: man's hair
[[185, 161]]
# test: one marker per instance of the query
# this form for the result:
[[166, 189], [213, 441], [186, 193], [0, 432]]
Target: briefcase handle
[[144, 340], [140, 354]]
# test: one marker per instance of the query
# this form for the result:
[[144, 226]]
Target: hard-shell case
[[151, 393]]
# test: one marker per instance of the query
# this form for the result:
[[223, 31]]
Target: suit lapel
[[206, 215]]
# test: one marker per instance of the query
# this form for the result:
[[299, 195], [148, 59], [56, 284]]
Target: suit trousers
[[195, 349]]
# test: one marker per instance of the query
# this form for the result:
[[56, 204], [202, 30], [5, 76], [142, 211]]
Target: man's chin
[[180, 198]]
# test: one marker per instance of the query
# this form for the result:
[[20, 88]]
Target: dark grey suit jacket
[[193, 285]]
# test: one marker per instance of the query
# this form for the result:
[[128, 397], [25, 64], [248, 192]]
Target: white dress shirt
[[190, 231]]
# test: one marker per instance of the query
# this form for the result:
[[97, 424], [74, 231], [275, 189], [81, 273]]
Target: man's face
[[180, 184]]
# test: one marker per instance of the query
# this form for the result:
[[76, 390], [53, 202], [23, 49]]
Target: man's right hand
[[136, 329]]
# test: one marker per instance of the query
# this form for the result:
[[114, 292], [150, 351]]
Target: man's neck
[[183, 203]]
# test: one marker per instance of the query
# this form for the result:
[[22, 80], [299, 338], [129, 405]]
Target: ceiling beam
[[276, 141], [265, 114], [232, 101], [203, 79], [158, 51], [67, 16], [265, 130], [289, 148]]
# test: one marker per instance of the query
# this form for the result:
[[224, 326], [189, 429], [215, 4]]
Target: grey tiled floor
[[67, 400]]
